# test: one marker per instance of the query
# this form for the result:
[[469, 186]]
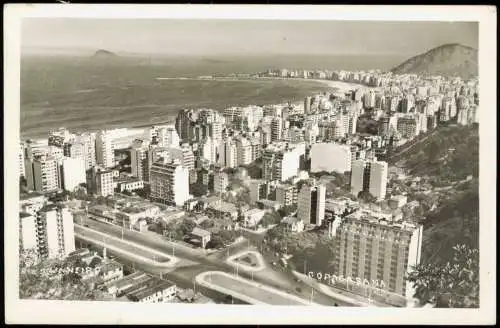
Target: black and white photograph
[[175, 160]]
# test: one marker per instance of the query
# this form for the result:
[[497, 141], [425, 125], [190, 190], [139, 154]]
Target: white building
[[221, 181], [209, 149], [104, 147], [311, 203], [73, 173], [369, 176], [378, 179], [280, 162], [330, 157], [100, 181], [28, 232], [168, 136], [169, 182], [88, 142], [21, 160], [228, 153], [139, 161], [357, 176], [42, 174], [244, 150], [55, 232]]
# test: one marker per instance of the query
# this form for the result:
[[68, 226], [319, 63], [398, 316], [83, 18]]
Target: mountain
[[446, 60], [104, 54]]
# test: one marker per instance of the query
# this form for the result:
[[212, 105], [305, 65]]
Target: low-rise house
[[222, 210], [103, 213], [129, 184], [252, 217], [118, 286], [162, 291], [201, 236], [268, 204], [141, 225], [110, 271], [397, 201], [293, 224]]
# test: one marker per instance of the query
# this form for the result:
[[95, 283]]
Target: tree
[[187, 226], [215, 241], [269, 219], [198, 189], [287, 210], [54, 280], [366, 197], [95, 262], [452, 285]]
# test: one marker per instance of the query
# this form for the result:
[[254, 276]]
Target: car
[[86, 225]]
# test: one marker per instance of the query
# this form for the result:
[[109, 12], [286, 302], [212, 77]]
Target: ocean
[[82, 94]]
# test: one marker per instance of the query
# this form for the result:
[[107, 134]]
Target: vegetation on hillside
[[451, 154], [454, 284], [55, 280]]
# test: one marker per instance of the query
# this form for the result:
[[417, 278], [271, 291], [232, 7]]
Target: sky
[[209, 37]]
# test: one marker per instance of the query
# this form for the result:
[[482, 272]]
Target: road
[[248, 290], [402, 152], [215, 262]]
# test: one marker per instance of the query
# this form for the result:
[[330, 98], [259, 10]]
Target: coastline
[[336, 87]]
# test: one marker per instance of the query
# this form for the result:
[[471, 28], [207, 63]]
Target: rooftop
[[158, 287], [23, 215], [223, 207], [200, 232]]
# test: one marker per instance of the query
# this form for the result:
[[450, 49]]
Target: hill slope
[[446, 60], [104, 54]]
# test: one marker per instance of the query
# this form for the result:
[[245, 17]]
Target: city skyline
[[240, 37]]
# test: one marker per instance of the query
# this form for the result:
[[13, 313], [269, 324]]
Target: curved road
[[213, 262]]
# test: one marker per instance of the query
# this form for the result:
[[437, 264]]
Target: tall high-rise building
[[408, 126], [42, 174], [21, 160], [286, 194], [104, 148], [311, 203], [244, 150], [36, 148], [209, 149], [169, 182], [139, 161], [87, 140], [100, 181], [54, 234], [221, 181], [280, 162], [28, 232], [257, 190], [184, 154], [73, 173], [369, 176], [378, 250], [74, 150], [183, 122], [378, 179], [307, 105], [215, 130], [228, 153], [168, 136], [276, 129]]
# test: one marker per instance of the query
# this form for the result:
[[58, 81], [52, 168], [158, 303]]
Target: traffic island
[[247, 261]]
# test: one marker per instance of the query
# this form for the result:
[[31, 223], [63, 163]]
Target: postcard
[[250, 164]]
